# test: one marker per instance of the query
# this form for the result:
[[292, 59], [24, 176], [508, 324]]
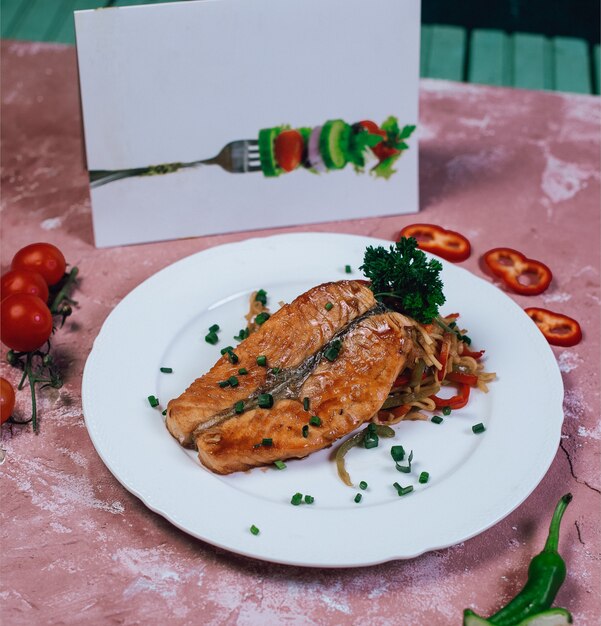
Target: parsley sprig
[[405, 279]]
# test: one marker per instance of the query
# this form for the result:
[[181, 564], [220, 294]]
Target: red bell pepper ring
[[454, 402], [525, 276], [558, 329], [448, 244]]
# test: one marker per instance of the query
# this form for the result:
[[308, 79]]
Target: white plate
[[475, 480]]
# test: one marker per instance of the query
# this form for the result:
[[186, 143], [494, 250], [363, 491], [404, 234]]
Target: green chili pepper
[[546, 573]]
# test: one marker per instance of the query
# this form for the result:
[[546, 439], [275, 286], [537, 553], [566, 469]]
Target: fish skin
[[344, 394], [287, 338]]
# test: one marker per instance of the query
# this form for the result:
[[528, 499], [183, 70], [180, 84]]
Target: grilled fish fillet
[[343, 393], [292, 334]]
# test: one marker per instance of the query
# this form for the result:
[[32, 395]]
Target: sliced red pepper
[[558, 329], [443, 357], [525, 276], [398, 411], [447, 244], [474, 355], [460, 377], [454, 402]]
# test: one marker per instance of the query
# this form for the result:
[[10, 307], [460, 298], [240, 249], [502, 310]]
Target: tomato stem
[[63, 294]]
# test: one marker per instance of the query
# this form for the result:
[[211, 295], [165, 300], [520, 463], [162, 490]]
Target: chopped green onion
[[214, 328], [233, 357], [453, 325], [406, 469], [275, 370], [254, 530], [309, 499], [280, 465], [358, 498], [465, 339], [265, 400], [478, 428], [329, 306], [262, 317], [347, 269], [167, 370], [397, 453], [267, 442], [233, 381], [306, 404], [261, 297], [239, 407], [333, 350], [363, 485], [164, 412], [371, 439], [212, 338], [315, 420], [262, 360], [153, 401], [424, 477], [226, 349], [242, 370], [446, 410], [402, 490], [437, 419], [297, 498], [224, 383], [243, 334], [305, 431]]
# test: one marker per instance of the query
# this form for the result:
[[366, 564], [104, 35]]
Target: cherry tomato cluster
[[32, 292], [527, 277]]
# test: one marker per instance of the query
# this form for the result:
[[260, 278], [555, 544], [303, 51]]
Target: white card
[[175, 83]]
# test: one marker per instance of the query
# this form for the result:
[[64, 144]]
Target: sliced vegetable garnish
[[348, 269], [212, 338], [239, 407], [267, 442], [478, 428], [262, 317], [358, 498], [305, 430], [448, 244], [351, 442], [261, 296], [243, 334], [306, 403], [443, 357], [242, 371], [233, 357], [254, 530], [446, 410], [329, 306], [437, 419], [525, 276], [406, 469], [455, 402], [397, 453], [424, 477], [315, 420], [333, 350], [226, 349], [153, 401], [233, 381], [363, 485], [214, 328], [296, 499], [309, 499], [558, 329], [460, 377], [269, 164], [167, 370], [370, 438], [224, 383], [262, 360], [280, 465]]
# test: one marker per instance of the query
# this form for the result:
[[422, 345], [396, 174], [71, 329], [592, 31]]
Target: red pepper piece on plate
[[474, 355], [558, 329], [454, 402], [447, 244], [525, 276], [461, 377], [443, 357]]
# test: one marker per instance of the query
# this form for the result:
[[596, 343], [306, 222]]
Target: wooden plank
[[489, 60], [532, 62], [447, 52], [12, 12], [66, 30], [572, 69], [424, 50]]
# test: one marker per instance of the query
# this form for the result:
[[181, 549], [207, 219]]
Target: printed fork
[[237, 157]]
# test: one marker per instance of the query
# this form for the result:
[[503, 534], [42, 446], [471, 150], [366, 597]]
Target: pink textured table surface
[[504, 167]]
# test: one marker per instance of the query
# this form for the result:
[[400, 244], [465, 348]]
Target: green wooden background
[[478, 55]]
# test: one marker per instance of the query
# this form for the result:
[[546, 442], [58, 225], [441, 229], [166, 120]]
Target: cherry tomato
[[373, 128], [23, 281], [44, 258], [26, 322], [382, 151], [7, 400], [289, 149]]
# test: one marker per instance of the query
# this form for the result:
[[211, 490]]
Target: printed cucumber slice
[[269, 165], [334, 143]]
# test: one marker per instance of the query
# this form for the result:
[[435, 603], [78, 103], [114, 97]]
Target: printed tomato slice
[[558, 329], [448, 244], [289, 149], [525, 276]]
